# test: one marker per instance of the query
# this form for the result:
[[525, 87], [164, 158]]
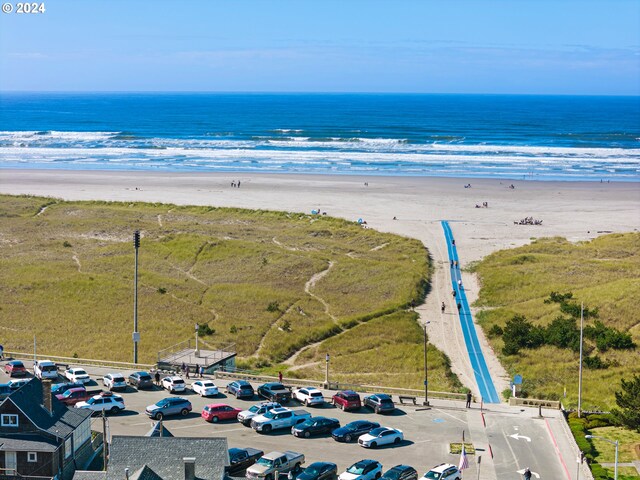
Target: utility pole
[[105, 443], [136, 334], [326, 373], [426, 376], [580, 374]]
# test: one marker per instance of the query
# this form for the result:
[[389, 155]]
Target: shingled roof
[[163, 457], [60, 423]]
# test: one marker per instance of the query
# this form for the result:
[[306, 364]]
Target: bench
[[402, 398]]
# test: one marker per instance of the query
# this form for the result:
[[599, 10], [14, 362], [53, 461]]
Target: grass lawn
[[603, 273], [272, 282], [628, 448]]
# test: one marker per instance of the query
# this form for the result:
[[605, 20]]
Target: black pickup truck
[[275, 392], [241, 459]]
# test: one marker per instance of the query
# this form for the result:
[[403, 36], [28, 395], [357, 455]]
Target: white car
[[45, 369], [362, 470], [444, 471], [309, 396], [204, 388], [109, 403], [77, 375], [380, 436], [114, 381], [174, 384]]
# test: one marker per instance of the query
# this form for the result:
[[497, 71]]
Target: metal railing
[[79, 361]]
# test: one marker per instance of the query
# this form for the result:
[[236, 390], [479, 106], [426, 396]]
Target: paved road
[[428, 433], [483, 377]]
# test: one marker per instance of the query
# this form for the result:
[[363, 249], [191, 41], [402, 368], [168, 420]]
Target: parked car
[[114, 381], [77, 374], [379, 403], [315, 426], [381, 436], [60, 388], [309, 396], [240, 389], [15, 368], [140, 380], [204, 388], [16, 384], [240, 459], [362, 470], [347, 400], [219, 411], [76, 395], [282, 462], [246, 416], [274, 392], [320, 471], [174, 384], [351, 431], [400, 472], [45, 369], [278, 418], [169, 406], [444, 471], [106, 402]]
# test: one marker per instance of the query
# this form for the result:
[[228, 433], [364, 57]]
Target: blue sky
[[454, 46]]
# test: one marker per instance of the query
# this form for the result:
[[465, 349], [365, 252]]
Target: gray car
[[169, 406]]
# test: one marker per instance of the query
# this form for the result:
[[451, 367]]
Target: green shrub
[[598, 420], [273, 307], [66, 244], [162, 290], [495, 331], [594, 363], [204, 330]]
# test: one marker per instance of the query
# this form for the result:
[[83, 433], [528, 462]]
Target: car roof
[[214, 405], [242, 382], [441, 467], [321, 464], [77, 389], [366, 461], [402, 467], [349, 392], [15, 362]]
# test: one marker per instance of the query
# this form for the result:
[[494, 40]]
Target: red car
[[15, 368], [219, 411], [347, 400]]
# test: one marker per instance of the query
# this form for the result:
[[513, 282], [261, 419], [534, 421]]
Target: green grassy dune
[[603, 273], [270, 282]]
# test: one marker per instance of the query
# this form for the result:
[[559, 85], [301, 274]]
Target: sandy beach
[[574, 210]]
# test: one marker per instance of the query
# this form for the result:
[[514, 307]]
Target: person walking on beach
[[459, 306], [459, 283], [157, 377], [442, 308], [468, 400], [527, 474]]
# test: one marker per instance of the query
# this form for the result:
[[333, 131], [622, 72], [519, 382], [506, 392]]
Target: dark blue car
[[351, 431], [241, 389]]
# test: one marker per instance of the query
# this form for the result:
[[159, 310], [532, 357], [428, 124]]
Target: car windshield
[[79, 372], [245, 387], [118, 379], [91, 401], [377, 431], [313, 469], [432, 475], [208, 384], [352, 427], [385, 400], [356, 469], [264, 461], [352, 398], [163, 402], [48, 368], [269, 414], [277, 386], [177, 381], [316, 394], [144, 376], [255, 408], [306, 423], [393, 474]]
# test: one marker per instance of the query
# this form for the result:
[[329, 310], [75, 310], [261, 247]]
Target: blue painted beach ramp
[[483, 378]]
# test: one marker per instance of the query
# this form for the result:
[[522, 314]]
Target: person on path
[[459, 306], [183, 367], [157, 377], [527, 474], [453, 293], [187, 371], [1, 352], [201, 371], [453, 242], [280, 377], [459, 283], [468, 400], [443, 307]]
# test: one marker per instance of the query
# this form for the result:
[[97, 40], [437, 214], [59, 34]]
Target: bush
[[598, 420], [495, 331], [595, 363], [629, 402], [563, 333], [233, 330], [273, 307], [162, 290], [521, 333], [66, 244], [205, 329]]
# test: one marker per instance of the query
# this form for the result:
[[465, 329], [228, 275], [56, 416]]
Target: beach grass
[[270, 282], [602, 273]]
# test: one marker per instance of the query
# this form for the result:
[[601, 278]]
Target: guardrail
[[79, 361], [338, 386], [534, 402]]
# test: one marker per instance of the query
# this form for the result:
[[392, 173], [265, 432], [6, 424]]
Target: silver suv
[[245, 416], [169, 406]]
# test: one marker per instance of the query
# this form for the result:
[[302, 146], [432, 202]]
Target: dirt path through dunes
[[312, 283]]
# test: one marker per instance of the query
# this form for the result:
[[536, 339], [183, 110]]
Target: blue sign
[[517, 380]]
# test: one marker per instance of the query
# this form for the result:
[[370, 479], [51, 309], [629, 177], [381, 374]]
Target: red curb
[[555, 444]]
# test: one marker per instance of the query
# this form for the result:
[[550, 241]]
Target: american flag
[[464, 462]]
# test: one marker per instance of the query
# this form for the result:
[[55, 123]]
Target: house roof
[[159, 430], [89, 475], [145, 473], [60, 423], [23, 443], [164, 457]]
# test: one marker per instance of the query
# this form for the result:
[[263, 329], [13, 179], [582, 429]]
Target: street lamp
[[136, 334], [615, 471], [426, 377], [326, 373]]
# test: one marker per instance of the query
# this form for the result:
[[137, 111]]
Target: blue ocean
[[491, 136]]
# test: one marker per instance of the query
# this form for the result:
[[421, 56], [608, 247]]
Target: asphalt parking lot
[[427, 432]]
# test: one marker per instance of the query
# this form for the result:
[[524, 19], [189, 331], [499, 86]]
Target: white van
[[45, 369]]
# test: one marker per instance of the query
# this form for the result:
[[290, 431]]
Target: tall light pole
[[580, 370], [615, 471], [136, 334], [426, 376], [326, 373]]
